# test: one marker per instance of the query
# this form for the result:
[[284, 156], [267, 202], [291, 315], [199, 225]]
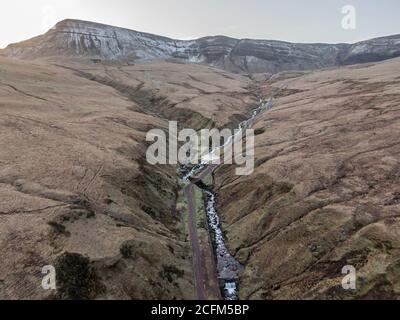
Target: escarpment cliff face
[[325, 191], [98, 41]]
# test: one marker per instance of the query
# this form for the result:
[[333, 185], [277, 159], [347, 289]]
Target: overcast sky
[[291, 20]]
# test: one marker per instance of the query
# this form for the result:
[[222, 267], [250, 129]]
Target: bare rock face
[[81, 38], [372, 50]]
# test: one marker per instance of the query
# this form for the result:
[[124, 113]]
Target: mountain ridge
[[95, 40]]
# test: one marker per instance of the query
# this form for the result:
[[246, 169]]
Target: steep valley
[[77, 193], [324, 194], [75, 184]]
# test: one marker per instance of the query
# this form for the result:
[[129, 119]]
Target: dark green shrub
[[170, 272], [126, 251], [76, 278], [259, 131], [59, 228]]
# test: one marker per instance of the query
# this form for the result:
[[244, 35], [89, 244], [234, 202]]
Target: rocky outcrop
[[373, 50], [80, 38]]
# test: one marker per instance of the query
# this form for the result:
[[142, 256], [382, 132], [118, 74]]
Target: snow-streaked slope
[[373, 50], [74, 37], [94, 40]]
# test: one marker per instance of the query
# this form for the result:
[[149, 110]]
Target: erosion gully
[[228, 268]]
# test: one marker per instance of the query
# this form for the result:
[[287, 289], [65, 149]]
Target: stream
[[228, 268]]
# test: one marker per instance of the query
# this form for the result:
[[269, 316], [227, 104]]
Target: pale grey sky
[[290, 20]]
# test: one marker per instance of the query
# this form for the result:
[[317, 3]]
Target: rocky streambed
[[228, 268]]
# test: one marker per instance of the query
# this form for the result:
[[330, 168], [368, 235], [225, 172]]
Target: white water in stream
[[208, 158], [228, 267]]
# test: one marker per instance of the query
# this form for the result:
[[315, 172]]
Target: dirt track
[[198, 259]]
